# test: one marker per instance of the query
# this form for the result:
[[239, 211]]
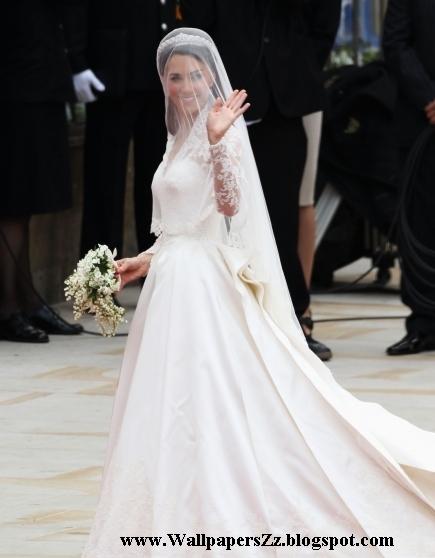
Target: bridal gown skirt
[[223, 426]]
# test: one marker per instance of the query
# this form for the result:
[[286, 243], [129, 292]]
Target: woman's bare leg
[[306, 241]]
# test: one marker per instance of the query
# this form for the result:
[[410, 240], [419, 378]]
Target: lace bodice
[[196, 187]]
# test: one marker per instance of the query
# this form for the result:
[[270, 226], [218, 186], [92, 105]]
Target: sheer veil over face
[[193, 77]]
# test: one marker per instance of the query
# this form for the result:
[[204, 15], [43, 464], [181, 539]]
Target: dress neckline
[[197, 133]]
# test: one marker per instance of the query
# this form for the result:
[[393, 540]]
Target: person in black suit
[[409, 49], [282, 46], [34, 156], [112, 49]]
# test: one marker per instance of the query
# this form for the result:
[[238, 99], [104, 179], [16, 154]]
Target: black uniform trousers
[[111, 123], [421, 218], [280, 148]]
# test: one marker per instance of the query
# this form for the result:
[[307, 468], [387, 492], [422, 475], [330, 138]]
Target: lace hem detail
[[156, 227], [128, 507]]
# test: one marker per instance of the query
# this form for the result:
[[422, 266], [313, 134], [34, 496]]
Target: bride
[[224, 422]]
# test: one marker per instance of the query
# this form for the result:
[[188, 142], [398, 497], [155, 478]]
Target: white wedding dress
[[223, 425]]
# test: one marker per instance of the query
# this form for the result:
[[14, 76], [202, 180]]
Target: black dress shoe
[[46, 318], [411, 344], [18, 328], [318, 348]]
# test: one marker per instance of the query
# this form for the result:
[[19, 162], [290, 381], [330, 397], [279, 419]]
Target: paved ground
[[56, 400]]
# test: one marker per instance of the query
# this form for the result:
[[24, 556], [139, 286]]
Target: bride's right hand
[[131, 269]]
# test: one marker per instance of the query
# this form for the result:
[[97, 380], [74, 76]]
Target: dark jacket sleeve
[[199, 13], [322, 19], [75, 21], [401, 57]]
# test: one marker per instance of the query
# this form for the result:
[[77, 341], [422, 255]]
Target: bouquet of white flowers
[[92, 286]]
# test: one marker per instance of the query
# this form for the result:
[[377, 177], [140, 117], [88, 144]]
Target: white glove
[[83, 84]]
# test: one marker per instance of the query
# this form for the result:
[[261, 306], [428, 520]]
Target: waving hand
[[222, 115]]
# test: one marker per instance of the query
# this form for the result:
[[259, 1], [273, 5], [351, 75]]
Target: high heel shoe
[[318, 348]]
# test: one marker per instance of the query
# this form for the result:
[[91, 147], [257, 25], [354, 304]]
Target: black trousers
[[280, 148], [421, 217], [111, 124]]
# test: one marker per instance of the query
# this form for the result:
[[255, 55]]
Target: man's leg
[[418, 288], [279, 146], [109, 127]]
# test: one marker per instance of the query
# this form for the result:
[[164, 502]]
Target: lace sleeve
[[225, 157]]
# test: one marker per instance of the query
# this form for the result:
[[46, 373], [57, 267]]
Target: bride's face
[[188, 83]]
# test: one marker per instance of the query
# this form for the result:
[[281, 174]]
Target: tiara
[[184, 38]]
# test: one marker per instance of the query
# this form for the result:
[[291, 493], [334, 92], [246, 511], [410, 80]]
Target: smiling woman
[[189, 80], [187, 83], [225, 423]]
